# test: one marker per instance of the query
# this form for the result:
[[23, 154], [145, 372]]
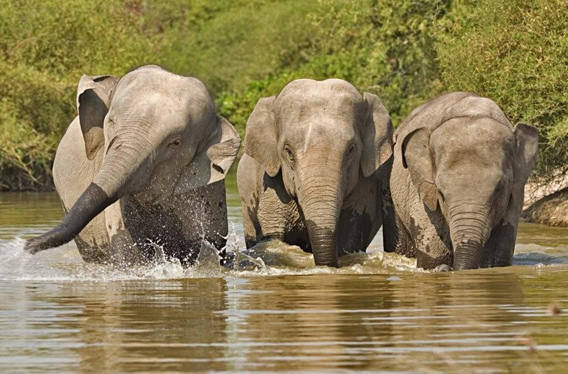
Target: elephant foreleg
[[397, 239], [500, 247], [431, 236]]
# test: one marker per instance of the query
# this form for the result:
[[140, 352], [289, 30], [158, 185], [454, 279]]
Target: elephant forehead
[[328, 86], [479, 148], [465, 182], [315, 127], [308, 136], [318, 99], [482, 134], [172, 111], [301, 115], [153, 86], [158, 112]]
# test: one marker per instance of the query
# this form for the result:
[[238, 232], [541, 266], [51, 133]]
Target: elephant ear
[[213, 158], [261, 138], [377, 135], [526, 146], [93, 102], [417, 158]]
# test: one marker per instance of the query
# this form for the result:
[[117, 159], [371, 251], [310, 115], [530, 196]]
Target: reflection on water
[[274, 311]]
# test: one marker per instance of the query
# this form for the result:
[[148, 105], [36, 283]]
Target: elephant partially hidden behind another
[[457, 183], [141, 169], [313, 170]]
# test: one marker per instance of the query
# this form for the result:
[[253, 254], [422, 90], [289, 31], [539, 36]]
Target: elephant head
[[472, 169], [159, 135], [322, 137]]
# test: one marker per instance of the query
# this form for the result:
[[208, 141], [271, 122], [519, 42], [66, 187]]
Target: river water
[[275, 311]]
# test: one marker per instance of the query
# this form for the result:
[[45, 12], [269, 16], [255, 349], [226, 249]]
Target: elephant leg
[[431, 236], [249, 182], [432, 251], [390, 224], [250, 225], [403, 243], [500, 247], [393, 238], [272, 216], [360, 217]]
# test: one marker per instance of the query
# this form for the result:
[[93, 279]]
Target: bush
[[405, 51]]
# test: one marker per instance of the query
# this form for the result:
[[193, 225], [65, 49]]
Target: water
[[275, 311]]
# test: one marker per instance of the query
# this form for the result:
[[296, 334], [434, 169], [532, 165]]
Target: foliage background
[[405, 51]]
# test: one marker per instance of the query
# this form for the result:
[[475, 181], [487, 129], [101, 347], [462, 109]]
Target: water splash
[[273, 258]]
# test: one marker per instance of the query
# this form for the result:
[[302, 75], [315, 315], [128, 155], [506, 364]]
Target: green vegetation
[[405, 51], [45, 47]]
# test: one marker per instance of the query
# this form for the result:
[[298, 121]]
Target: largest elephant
[[314, 168], [457, 182], [140, 171]]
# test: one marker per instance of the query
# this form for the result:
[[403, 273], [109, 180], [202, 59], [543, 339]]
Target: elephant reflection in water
[[148, 325], [309, 323], [438, 314], [141, 169]]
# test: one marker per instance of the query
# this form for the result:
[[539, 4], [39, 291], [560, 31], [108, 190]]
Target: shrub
[[43, 54]]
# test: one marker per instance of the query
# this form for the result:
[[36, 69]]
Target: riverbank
[[547, 203]]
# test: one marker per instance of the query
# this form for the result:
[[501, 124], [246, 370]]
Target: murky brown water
[[277, 313]]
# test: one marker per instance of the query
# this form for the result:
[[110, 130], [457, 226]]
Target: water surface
[[275, 311]]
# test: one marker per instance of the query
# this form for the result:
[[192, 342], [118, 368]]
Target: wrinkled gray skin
[[311, 173], [142, 167], [457, 183]]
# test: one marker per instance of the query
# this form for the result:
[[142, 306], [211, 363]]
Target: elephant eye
[[289, 153], [174, 143], [442, 197], [499, 189], [351, 152]]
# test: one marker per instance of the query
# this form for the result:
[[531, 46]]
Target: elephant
[[457, 183], [140, 171], [312, 170]]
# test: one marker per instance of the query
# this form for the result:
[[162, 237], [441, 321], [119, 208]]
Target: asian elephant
[[312, 172], [140, 171], [457, 183]]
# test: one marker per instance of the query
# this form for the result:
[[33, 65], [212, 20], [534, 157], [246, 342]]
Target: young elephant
[[457, 182], [141, 169], [311, 171]]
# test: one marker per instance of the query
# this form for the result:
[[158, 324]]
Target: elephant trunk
[[469, 232], [120, 164], [321, 200], [93, 201]]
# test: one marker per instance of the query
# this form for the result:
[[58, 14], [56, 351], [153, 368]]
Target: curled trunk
[[120, 164], [93, 201]]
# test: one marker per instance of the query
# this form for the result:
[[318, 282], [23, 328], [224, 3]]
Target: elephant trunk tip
[[92, 202], [36, 245], [324, 246], [332, 262]]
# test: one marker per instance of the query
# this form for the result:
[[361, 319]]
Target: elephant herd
[[140, 173]]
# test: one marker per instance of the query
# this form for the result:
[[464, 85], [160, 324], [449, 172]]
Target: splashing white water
[[267, 259], [272, 258]]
